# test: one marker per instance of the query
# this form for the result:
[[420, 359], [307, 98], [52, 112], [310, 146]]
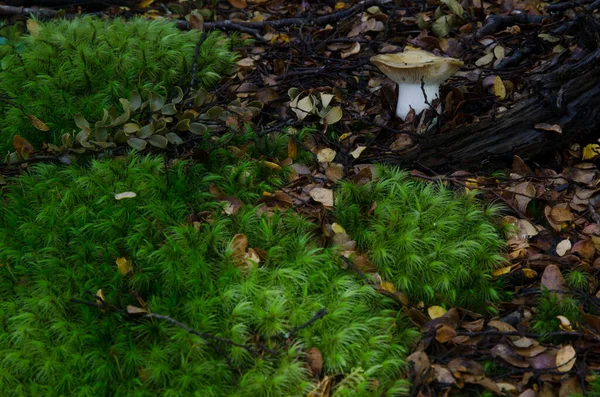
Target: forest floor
[[307, 65]]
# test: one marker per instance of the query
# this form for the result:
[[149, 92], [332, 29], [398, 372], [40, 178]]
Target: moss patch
[[435, 246], [62, 231], [87, 65]]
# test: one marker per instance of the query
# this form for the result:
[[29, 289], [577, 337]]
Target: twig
[[195, 61]]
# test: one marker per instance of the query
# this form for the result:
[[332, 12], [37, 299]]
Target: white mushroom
[[408, 69]]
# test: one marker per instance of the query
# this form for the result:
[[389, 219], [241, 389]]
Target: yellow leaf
[[37, 123], [529, 273], [33, 27], [337, 228], [272, 166], [340, 5], [435, 311], [292, 149], [356, 153], [344, 136], [502, 271], [499, 88], [387, 286], [125, 266], [144, 3], [591, 151]]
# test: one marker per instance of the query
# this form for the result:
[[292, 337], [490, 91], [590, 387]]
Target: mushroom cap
[[410, 66]]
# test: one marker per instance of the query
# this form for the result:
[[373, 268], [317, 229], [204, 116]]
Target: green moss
[[62, 232], [434, 245], [86, 65], [548, 307]]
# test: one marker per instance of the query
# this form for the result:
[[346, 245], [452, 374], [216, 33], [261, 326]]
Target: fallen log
[[567, 97]]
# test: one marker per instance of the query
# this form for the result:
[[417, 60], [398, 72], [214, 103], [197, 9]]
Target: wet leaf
[[174, 138], [137, 144], [158, 141], [198, 128], [441, 27]]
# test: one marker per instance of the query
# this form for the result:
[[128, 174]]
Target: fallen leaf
[[314, 358], [125, 195], [563, 247], [337, 228], [33, 27], [436, 311], [445, 333], [549, 127], [499, 88], [22, 146], [124, 266], [356, 153], [323, 196], [37, 123], [135, 310], [241, 4], [326, 155], [553, 279], [565, 358]]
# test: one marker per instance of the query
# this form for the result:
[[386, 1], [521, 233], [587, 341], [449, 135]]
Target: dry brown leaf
[[402, 142], [525, 191], [585, 249], [553, 279], [334, 172], [22, 146], [509, 355], [420, 366], [561, 213], [314, 359], [241, 4], [445, 333], [37, 123]]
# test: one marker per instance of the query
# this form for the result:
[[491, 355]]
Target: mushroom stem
[[411, 95]]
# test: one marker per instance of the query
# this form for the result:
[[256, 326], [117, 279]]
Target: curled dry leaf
[[135, 310], [445, 333], [22, 146], [548, 127]]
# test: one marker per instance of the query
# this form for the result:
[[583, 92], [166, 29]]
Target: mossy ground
[[434, 245], [65, 68], [63, 230]]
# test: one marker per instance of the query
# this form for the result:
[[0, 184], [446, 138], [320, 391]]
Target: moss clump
[[62, 232], [434, 245], [86, 65]]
